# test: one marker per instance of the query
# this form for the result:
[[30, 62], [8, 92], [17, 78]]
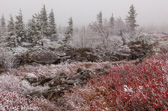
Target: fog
[[83, 12]]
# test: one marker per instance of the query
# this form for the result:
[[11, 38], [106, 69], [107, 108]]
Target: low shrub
[[142, 87], [12, 101]]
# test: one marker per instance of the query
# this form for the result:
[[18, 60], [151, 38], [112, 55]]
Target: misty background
[[151, 13]]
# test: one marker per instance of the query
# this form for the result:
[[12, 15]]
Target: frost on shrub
[[82, 39], [14, 83], [162, 47], [12, 91], [10, 83], [19, 50], [7, 59], [147, 39], [12, 101]]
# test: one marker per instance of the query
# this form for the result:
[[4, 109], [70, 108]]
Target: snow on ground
[[69, 69]]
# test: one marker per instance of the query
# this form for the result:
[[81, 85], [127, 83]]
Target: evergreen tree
[[100, 19], [111, 24], [44, 22], [12, 42], [112, 21], [19, 28], [131, 18], [70, 27], [37, 22], [32, 31], [69, 30], [3, 25], [11, 27], [52, 25]]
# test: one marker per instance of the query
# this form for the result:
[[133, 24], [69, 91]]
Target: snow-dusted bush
[[47, 43], [162, 47], [82, 39], [90, 39], [147, 38], [123, 50], [104, 37], [7, 59], [14, 83], [19, 50], [123, 30], [13, 101]]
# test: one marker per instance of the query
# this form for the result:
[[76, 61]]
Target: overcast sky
[[84, 11]]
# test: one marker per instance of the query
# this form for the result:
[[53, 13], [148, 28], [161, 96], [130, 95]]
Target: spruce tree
[[3, 25], [12, 41], [37, 22], [111, 24], [131, 18], [112, 21], [19, 28], [44, 22], [69, 30], [37, 34], [32, 31], [52, 25], [70, 27], [100, 18], [11, 27]]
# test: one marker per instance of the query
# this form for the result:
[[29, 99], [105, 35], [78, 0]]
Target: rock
[[139, 50], [31, 80], [61, 83], [43, 57], [86, 75], [122, 56], [76, 76], [101, 71], [45, 80], [80, 70], [58, 80], [82, 55], [54, 92], [79, 82], [70, 82]]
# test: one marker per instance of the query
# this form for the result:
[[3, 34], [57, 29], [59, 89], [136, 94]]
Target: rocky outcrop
[[82, 55], [138, 50], [61, 83], [56, 56]]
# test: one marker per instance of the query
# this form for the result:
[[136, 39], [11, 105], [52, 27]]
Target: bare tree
[[121, 30], [100, 32]]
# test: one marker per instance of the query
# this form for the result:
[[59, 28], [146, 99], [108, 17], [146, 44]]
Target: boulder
[[139, 50], [43, 57]]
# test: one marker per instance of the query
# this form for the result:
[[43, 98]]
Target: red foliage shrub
[[142, 87]]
